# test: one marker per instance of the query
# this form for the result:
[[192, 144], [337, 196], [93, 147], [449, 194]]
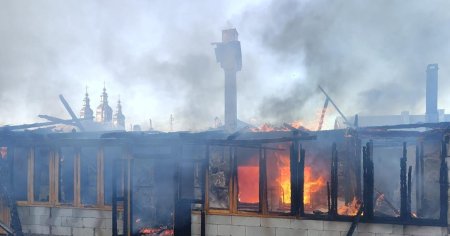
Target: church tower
[[86, 112], [104, 111], [119, 118]]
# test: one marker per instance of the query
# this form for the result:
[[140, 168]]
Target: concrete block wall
[[41, 220], [223, 225]]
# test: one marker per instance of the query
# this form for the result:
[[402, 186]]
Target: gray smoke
[[369, 56]]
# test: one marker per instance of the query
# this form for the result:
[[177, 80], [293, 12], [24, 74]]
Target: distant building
[[432, 114], [119, 118], [104, 118], [104, 111], [86, 112]]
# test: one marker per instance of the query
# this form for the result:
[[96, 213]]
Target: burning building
[[252, 183], [383, 180]]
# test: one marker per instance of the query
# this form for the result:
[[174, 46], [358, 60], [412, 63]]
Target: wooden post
[[403, 185], [418, 177], [294, 177], [368, 176], [408, 200], [262, 181], [301, 182], [334, 181], [443, 181], [421, 179]]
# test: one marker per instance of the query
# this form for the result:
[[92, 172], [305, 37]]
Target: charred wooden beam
[[294, 177], [334, 181], [408, 200], [240, 142], [403, 185], [357, 164], [443, 181], [441, 125], [328, 196], [322, 115], [355, 221], [262, 182], [368, 178], [301, 182], [203, 187], [296, 131], [417, 178], [6, 228], [388, 203], [114, 199], [421, 179], [237, 133], [71, 113], [337, 108]]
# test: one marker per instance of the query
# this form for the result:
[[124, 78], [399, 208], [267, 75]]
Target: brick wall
[[256, 226], [40, 220]]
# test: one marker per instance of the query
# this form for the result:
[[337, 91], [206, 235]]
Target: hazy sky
[[371, 56]]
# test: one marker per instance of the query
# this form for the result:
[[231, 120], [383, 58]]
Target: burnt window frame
[[51, 176], [297, 153], [27, 176], [58, 175]]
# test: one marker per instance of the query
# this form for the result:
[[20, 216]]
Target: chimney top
[[432, 67], [229, 35]]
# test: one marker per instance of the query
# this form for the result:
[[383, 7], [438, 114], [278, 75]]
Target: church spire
[[119, 118], [104, 111], [86, 112]]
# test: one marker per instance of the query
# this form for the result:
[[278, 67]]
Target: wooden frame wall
[[54, 178]]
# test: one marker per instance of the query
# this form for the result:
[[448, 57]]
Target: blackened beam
[[385, 133], [337, 108], [51, 118], [237, 133], [296, 131], [443, 181], [254, 146], [203, 188], [262, 181], [422, 174], [388, 203], [403, 185], [71, 113], [254, 141], [35, 125], [334, 180], [322, 115], [441, 125], [294, 154], [368, 177], [417, 178], [328, 196], [355, 221], [408, 203], [6, 228], [301, 181]]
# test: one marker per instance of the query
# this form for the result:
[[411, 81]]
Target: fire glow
[[312, 185], [248, 184], [248, 181]]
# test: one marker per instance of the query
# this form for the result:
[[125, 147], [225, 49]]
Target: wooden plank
[[31, 175]]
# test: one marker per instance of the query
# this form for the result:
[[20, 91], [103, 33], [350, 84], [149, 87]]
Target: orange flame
[[312, 185], [351, 209], [284, 180], [248, 182]]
